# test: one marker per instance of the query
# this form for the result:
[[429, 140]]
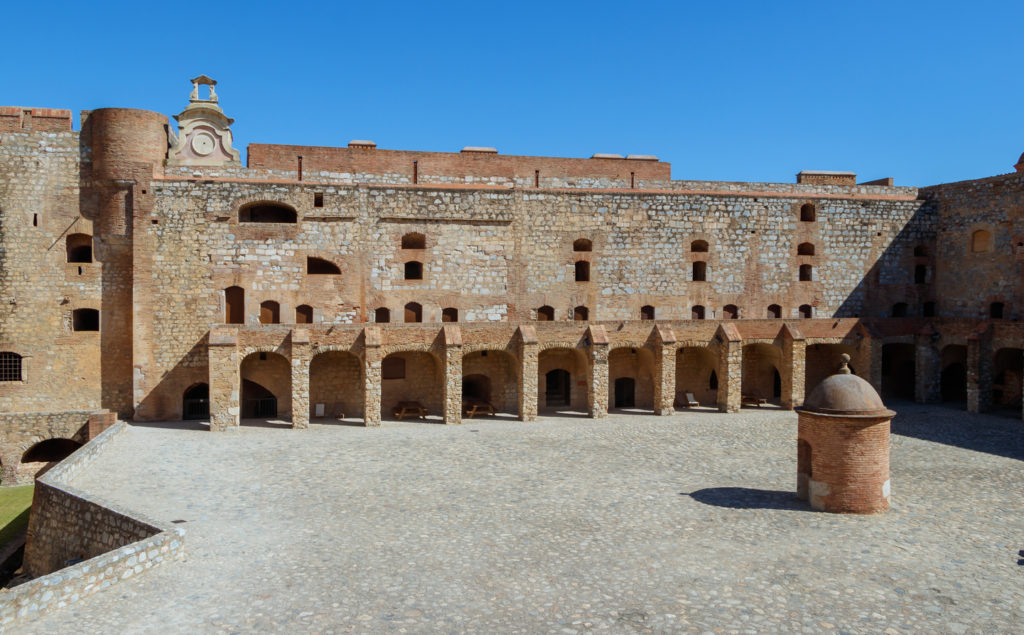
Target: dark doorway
[[776, 384], [898, 368], [50, 450], [257, 401], [625, 392], [557, 387], [476, 387], [195, 404], [954, 382]]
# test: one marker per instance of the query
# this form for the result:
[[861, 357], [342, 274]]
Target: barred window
[[10, 366]]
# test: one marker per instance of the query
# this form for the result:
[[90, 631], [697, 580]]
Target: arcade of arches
[[521, 371]]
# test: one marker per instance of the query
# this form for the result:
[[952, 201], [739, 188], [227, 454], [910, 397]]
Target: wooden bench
[[471, 408], [407, 408], [686, 400], [752, 400]]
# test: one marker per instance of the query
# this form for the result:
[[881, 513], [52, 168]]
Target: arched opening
[[953, 379], [476, 387], [898, 369], [700, 271], [79, 248], [85, 320], [808, 214], [545, 314], [419, 386], [563, 379], [413, 270], [1007, 375], [10, 366], [582, 271], [581, 314], [805, 249], [303, 314], [234, 305], [696, 375], [625, 392], [730, 312], [267, 212], [920, 274], [699, 246], [336, 386], [631, 378], [774, 311], [382, 315], [582, 244], [647, 312], [413, 312], [928, 309], [821, 361], [995, 310], [981, 241], [760, 375], [697, 312], [266, 386], [414, 240], [270, 312], [920, 251], [557, 388], [899, 309], [450, 314], [806, 273], [50, 451], [491, 377], [195, 402], [321, 267], [806, 311]]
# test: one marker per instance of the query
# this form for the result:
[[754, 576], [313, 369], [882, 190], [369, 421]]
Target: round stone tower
[[843, 446]]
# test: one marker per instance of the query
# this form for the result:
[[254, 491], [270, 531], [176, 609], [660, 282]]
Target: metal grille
[[10, 367]]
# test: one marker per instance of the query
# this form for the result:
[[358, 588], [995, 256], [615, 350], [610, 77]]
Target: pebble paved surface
[[626, 524]]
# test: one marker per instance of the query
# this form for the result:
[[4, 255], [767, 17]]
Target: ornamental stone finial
[[844, 364]]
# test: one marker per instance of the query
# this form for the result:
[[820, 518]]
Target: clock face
[[203, 144]]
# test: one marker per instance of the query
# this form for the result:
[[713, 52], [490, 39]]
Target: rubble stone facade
[[145, 271]]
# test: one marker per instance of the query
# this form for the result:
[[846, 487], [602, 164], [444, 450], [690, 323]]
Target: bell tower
[[204, 133]]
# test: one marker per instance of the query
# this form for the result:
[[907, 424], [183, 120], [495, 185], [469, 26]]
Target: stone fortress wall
[[610, 240]]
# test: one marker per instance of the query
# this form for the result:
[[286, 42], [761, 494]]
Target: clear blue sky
[[926, 92]]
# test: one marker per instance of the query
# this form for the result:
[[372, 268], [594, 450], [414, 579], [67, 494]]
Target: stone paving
[[627, 524]]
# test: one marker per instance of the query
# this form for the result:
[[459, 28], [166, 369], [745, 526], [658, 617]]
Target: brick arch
[[432, 349], [336, 381], [273, 375], [422, 380], [573, 360], [634, 363], [293, 201], [501, 368], [477, 347], [338, 348], [544, 346], [277, 349]]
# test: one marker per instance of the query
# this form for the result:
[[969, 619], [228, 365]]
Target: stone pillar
[[528, 371], [597, 399], [730, 368], [927, 367], [979, 370], [794, 366], [663, 342], [302, 355], [372, 357], [867, 358], [225, 379], [452, 361]]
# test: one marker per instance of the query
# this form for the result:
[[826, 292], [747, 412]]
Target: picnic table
[[752, 400], [473, 407], [407, 408]]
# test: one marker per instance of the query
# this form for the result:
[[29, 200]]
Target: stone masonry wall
[[67, 524]]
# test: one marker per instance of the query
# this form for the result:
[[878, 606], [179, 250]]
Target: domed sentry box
[[843, 446]]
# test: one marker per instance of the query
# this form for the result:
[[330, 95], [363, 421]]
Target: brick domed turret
[[843, 446]]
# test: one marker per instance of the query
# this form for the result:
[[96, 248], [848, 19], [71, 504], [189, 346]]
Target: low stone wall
[[21, 430], [68, 524]]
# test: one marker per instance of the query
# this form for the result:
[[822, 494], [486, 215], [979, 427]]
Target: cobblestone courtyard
[[630, 523]]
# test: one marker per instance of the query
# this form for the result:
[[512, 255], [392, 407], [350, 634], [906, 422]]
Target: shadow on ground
[[747, 498], [990, 433]]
